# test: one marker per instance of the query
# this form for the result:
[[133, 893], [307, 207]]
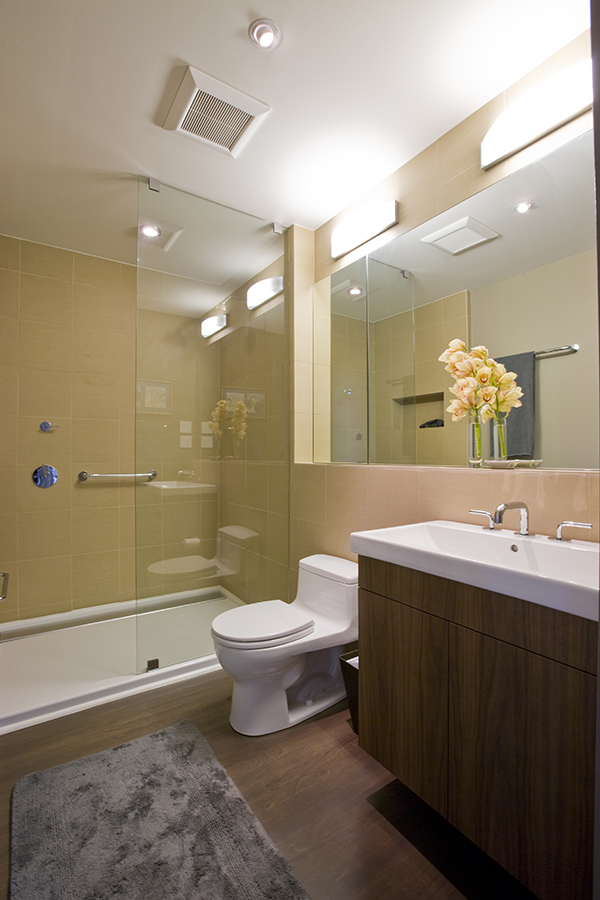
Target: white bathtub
[[61, 664]]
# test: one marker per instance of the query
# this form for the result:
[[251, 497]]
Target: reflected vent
[[214, 113]]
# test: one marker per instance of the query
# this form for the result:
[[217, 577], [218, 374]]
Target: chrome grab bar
[[4, 588], [85, 476]]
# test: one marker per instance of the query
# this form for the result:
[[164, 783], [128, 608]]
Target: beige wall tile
[[46, 300], [10, 252], [9, 294], [95, 352], [9, 342], [44, 534], [96, 443], [100, 273], [45, 586], [39, 259], [308, 492], [44, 394], [94, 530], [44, 346], [95, 578], [9, 394], [103, 309]]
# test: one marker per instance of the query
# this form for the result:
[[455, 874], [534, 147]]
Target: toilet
[[284, 657]]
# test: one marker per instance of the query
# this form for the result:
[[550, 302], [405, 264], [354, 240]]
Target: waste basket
[[349, 664]]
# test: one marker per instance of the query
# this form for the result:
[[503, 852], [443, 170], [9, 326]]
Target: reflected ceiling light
[[355, 292], [150, 231], [212, 325], [523, 207], [362, 225], [263, 290], [543, 109], [264, 33]]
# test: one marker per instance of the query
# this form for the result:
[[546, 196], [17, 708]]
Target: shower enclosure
[[106, 372]]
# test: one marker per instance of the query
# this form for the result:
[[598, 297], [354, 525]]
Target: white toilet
[[284, 657]]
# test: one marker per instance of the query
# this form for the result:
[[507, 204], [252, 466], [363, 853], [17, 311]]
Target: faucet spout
[[523, 515]]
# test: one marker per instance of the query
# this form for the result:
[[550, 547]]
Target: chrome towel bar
[[85, 476]]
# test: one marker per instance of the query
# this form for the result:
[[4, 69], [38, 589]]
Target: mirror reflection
[[527, 285]]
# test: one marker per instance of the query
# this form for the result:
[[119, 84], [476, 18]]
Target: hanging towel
[[520, 427]]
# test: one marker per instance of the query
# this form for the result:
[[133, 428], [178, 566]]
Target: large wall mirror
[[531, 289]]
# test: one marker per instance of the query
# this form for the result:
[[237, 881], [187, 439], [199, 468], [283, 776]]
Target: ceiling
[[356, 89]]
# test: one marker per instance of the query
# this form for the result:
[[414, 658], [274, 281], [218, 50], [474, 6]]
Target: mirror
[[530, 289]]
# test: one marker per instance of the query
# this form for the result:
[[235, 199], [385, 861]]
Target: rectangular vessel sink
[[561, 574]]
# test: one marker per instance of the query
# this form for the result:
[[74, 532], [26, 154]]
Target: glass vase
[[474, 447], [499, 439]]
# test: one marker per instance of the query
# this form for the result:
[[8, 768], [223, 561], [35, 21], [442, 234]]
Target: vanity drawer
[[565, 638]]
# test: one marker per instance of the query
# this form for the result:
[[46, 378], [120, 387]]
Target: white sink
[[559, 574], [188, 486]]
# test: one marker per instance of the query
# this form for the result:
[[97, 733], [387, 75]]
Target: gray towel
[[520, 427]]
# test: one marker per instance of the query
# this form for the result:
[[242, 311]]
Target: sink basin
[[559, 574], [188, 486]]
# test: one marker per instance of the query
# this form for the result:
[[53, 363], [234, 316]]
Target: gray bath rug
[[157, 818]]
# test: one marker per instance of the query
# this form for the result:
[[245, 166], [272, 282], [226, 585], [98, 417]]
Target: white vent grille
[[214, 120], [214, 113]]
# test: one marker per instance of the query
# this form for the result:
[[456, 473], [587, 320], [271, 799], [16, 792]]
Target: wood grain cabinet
[[484, 706]]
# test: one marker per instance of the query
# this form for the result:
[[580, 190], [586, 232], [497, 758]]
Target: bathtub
[[59, 664]]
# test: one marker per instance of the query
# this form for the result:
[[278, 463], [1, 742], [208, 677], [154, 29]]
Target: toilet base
[[264, 707]]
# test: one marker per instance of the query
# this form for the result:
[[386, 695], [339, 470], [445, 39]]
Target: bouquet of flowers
[[217, 415], [483, 388], [238, 420]]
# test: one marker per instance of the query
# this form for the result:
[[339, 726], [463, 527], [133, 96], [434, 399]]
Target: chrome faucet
[[562, 525], [523, 515]]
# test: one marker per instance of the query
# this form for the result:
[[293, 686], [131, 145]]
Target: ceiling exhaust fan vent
[[214, 113]]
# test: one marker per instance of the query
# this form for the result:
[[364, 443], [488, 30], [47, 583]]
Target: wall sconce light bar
[[541, 110], [362, 225], [212, 325], [264, 290]]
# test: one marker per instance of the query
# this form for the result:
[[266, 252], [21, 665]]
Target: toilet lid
[[270, 620]]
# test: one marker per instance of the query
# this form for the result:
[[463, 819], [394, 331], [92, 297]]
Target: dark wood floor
[[308, 786]]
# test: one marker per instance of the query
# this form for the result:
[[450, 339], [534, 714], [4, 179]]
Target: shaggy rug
[[156, 818]]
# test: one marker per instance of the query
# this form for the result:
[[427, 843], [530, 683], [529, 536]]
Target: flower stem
[[477, 439], [502, 432]]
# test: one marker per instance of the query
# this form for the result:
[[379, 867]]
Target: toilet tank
[[328, 585]]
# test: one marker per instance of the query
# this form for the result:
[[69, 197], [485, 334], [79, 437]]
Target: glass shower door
[[212, 418]]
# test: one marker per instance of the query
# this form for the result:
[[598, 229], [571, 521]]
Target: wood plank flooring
[[308, 786]]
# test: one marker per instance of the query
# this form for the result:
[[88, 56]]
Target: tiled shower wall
[[68, 356], [67, 349]]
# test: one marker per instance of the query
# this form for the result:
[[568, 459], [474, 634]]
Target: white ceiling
[[356, 89]]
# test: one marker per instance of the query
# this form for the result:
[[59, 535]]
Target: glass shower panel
[[212, 418], [348, 361], [392, 394]]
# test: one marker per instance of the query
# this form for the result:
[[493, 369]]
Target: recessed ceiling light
[[264, 33], [355, 291], [523, 207], [150, 231]]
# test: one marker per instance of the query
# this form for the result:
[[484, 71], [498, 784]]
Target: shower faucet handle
[[4, 587], [46, 426]]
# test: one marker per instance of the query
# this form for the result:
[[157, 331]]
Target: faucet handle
[[482, 512], [562, 525]]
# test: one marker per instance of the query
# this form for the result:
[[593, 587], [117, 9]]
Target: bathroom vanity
[[484, 705]]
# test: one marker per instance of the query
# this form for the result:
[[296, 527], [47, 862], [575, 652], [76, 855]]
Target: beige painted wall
[[547, 307]]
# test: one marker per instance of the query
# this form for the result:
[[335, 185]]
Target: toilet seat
[[264, 624]]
